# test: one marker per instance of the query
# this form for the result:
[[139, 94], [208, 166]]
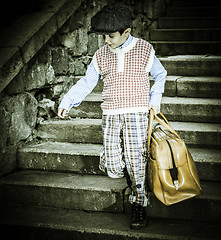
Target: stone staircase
[[59, 192]]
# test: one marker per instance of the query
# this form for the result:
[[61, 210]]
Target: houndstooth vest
[[125, 74]]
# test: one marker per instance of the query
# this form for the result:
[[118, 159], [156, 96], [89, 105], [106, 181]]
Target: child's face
[[115, 39]]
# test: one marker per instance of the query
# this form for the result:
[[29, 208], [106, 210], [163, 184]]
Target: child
[[124, 63]]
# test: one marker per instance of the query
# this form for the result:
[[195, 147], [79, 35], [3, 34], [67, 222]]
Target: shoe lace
[[137, 213]]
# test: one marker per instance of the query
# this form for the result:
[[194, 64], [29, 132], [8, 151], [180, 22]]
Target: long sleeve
[[81, 89], [158, 73]]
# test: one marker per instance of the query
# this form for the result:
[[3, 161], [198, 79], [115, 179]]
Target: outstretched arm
[[79, 91]]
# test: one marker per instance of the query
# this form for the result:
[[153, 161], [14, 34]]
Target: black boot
[[138, 217]]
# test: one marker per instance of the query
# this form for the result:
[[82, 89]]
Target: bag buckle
[[176, 184]]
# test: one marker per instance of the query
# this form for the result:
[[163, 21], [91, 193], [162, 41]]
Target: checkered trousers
[[125, 137]]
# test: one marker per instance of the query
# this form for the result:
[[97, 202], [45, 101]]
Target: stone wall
[[34, 94]]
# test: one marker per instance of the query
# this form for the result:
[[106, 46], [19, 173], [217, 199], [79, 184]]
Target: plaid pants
[[125, 140]]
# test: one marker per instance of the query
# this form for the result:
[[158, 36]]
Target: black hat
[[111, 18]]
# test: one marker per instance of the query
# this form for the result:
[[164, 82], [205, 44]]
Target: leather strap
[[151, 116], [163, 122]]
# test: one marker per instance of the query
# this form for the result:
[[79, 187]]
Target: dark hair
[[111, 18]]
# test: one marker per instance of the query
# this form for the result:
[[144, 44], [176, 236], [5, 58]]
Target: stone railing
[[26, 35]]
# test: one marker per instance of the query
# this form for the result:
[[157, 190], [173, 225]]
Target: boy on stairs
[[124, 64]]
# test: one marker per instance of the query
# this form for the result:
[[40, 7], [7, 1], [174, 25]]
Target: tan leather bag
[[172, 174]]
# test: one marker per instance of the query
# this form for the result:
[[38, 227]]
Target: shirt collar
[[127, 42]]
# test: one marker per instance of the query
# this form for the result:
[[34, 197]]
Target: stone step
[[193, 12], [201, 87], [195, 3], [52, 223], [192, 109], [196, 34], [169, 48], [189, 22], [99, 194], [192, 65], [84, 159], [174, 108], [60, 157], [63, 190], [90, 131]]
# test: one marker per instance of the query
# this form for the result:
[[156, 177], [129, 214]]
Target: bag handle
[[151, 116], [163, 122]]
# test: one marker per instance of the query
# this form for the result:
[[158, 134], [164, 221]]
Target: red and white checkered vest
[[125, 74]]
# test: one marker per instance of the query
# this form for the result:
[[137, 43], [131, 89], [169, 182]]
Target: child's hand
[[62, 112], [155, 108]]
